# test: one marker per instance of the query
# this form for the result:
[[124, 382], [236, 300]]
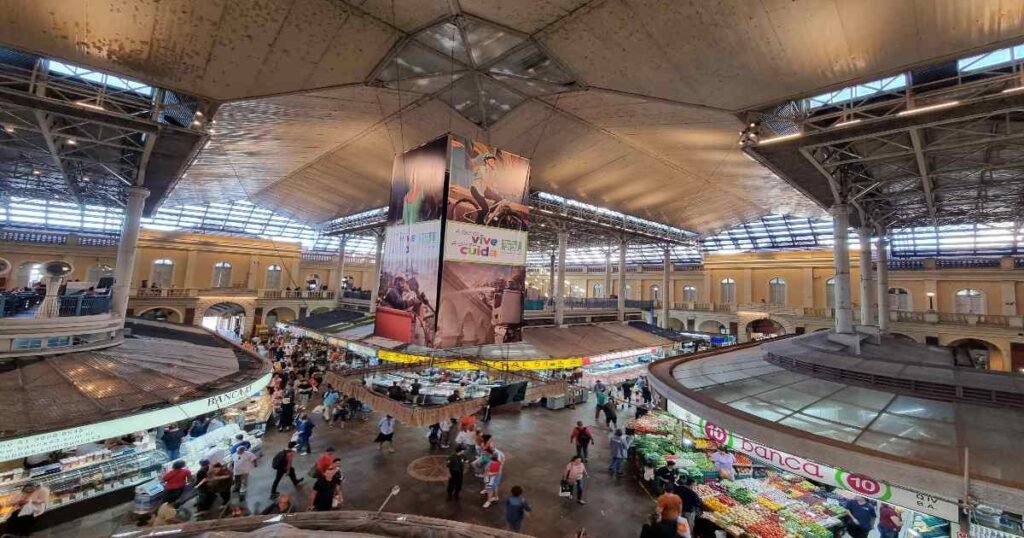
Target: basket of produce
[[655, 424]]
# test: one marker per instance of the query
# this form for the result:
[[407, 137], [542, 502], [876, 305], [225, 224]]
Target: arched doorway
[[676, 324], [759, 329], [225, 318], [281, 313], [972, 352], [712, 326], [903, 337], [161, 314]]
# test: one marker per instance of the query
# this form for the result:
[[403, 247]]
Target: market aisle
[[536, 442]]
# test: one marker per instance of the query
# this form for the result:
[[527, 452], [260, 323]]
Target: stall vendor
[[668, 474], [724, 462]]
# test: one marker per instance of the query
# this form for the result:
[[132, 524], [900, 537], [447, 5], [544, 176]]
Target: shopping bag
[[565, 489]]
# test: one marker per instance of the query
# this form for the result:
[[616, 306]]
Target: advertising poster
[[408, 287], [483, 284]]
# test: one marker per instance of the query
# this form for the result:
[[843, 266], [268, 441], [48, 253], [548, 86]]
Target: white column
[[622, 281], [841, 253], [883, 282], [608, 273], [1009, 292], [559, 284], [864, 235], [341, 269], [125, 265], [808, 300], [374, 288], [252, 278], [666, 293], [747, 281], [191, 261], [551, 278]]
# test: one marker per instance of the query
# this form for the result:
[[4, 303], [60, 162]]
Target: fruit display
[[766, 529], [656, 424], [714, 504], [705, 490], [768, 503], [703, 444], [742, 460]]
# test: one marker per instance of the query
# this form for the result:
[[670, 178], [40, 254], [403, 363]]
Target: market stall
[[771, 495]]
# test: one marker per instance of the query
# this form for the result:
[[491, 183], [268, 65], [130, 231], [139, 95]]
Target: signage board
[[818, 472], [29, 445], [465, 242]]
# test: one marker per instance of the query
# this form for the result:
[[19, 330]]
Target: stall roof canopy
[[628, 105]]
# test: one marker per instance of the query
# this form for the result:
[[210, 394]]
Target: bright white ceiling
[[650, 129]]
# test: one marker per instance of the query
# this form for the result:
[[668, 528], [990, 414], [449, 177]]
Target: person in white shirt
[[386, 434], [242, 463], [30, 506]]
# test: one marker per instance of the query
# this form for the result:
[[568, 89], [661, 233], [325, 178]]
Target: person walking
[[583, 438], [611, 418], [219, 481], [619, 450], [330, 400], [575, 472], [172, 441], [324, 461], [691, 503], [287, 416], [305, 431], [446, 432], [386, 433], [456, 470], [601, 398], [645, 392], [242, 463], [175, 481], [516, 508], [282, 465], [627, 391], [492, 477], [324, 491]]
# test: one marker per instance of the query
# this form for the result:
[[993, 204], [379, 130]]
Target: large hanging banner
[[408, 288], [483, 283], [819, 472]]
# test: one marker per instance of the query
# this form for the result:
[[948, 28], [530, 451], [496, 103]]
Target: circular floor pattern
[[429, 468]]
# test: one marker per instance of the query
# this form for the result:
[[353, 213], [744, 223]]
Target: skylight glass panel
[[859, 91], [103, 79], [996, 58]]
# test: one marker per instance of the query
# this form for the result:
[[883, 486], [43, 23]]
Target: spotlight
[[9, 128], [36, 172], [72, 142]]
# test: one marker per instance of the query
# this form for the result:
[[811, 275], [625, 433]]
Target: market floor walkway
[[536, 442]]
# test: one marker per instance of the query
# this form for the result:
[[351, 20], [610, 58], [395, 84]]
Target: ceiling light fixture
[[87, 104], [9, 128], [780, 138], [845, 123], [36, 172], [199, 113], [929, 108], [72, 142], [1013, 90]]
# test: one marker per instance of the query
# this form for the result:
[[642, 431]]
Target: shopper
[[287, 415], [691, 502], [242, 463], [601, 399], [611, 417], [31, 505], [283, 505], [331, 398], [862, 517], [627, 392], [516, 508], [386, 433], [666, 475], [219, 480], [240, 442], [434, 437], [724, 462], [582, 438], [575, 472], [645, 392], [670, 505], [305, 432], [619, 452], [889, 521], [446, 432], [282, 465], [198, 427], [492, 477], [456, 469], [175, 481], [324, 489], [204, 496], [172, 441]]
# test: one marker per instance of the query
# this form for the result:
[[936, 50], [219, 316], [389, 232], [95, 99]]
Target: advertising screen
[[483, 283], [408, 288]]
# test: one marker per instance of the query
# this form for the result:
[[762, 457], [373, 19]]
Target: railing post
[[78, 305]]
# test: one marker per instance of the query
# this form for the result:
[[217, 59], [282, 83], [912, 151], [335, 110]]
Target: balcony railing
[[899, 316], [22, 305], [361, 295]]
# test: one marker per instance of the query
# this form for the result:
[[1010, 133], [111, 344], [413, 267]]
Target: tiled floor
[[537, 445]]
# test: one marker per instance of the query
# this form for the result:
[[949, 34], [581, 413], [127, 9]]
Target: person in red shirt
[[582, 437], [175, 481], [324, 461]]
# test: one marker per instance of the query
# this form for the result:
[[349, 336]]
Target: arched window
[[655, 293], [163, 273], [970, 301], [830, 293], [689, 294], [777, 291], [274, 277], [221, 275], [899, 300], [98, 271], [30, 273], [629, 292], [727, 291], [598, 290]]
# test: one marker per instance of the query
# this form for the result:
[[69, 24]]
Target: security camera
[[57, 268]]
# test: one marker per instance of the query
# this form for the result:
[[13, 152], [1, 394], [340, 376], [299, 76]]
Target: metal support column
[[125, 265], [375, 288], [841, 253], [563, 243], [622, 280], [340, 280], [607, 273], [883, 282], [864, 235], [666, 297], [551, 280]]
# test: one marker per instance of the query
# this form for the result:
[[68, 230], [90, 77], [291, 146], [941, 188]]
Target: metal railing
[[83, 305], [362, 295], [909, 317]]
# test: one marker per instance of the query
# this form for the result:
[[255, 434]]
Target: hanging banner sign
[[467, 242], [510, 365], [823, 474]]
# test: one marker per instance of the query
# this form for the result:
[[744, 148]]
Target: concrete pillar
[[622, 281], [841, 253], [252, 278], [341, 269], [608, 273], [883, 282], [747, 281], [808, 300], [864, 235], [551, 278], [563, 243], [666, 293], [705, 294], [375, 287], [191, 262], [931, 296], [125, 265], [1009, 293]]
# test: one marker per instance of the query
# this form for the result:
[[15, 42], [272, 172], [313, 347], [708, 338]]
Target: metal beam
[[922, 166]]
